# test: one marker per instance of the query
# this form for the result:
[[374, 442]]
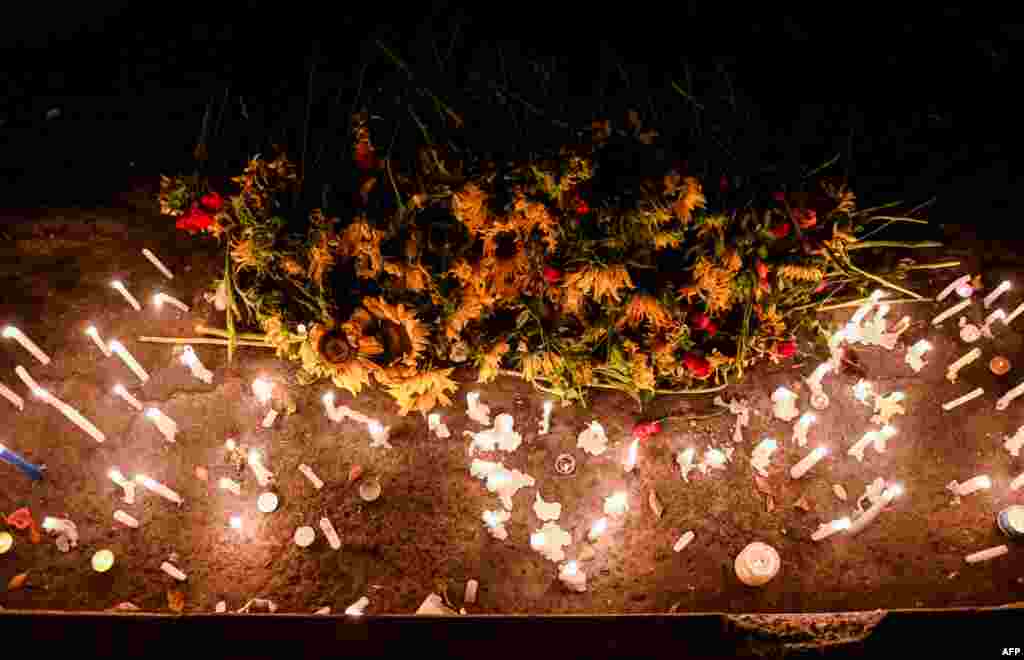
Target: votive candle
[[10, 332], [807, 462], [94, 334], [119, 285], [153, 259], [129, 360], [120, 391], [826, 530]]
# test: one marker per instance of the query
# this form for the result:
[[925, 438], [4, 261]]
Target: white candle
[[379, 434], [1018, 482], [807, 462], [304, 536], [828, 529], [156, 487], [913, 357], [267, 502], [192, 361], [330, 533], [757, 564], [156, 262], [262, 389], [10, 332], [269, 419], [814, 380], [783, 408], [998, 291], [997, 315], [309, 474], [117, 284], [761, 457], [801, 427], [573, 578], [952, 287], [875, 509], [953, 369], [173, 571], [478, 412], [125, 519], [9, 394], [357, 608], [230, 485], [545, 422], [120, 391], [985, 555], [75, 416], [1004, 401], [128, 486], [863, 390], [30, 382], [129, 360], [1014, 314], [168, 427], [435, 426], [160, 298], [631, 455], [616, 504], [970, 396], [974, 484], [94, 334], [264, 476], [597, 529], [683, 541], [328, 400], [952, 311]]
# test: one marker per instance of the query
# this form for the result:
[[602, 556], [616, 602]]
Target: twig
[[911, 245], [935, 266], [886, 283], [861, 301], [203, 340], [891, 218], [217, 332]]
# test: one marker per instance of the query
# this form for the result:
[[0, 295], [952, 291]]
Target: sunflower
[[771, 322], [292, 267], [645, 307], [542, 365], [250, 253], [691, 196], [714, 285], [490, 362], [341, 354], [406, 335], [362, 242], [413, 276], [801, 273], [469, 309], [321, 259], [600, 282], [470, 207], [421, 391]]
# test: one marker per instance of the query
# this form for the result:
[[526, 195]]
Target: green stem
[[202, 340], [935, 266], [217, 332], [913, 245], [891, 218], [230, 287], [861, 301], [885, 282]]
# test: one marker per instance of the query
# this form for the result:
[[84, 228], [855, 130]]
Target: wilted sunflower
[[343, 354], [645, 307], [714, 284], [691, 195], [601, 283], [413, 276], [546, 364], [470, 207], [321, 259], [713, 226], [490, 362], [250, 253], [420, 391], [771, 321], [406, 336], [640, 370], [291, 266], [362, 241]]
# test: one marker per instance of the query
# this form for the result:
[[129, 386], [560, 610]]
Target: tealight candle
[[357, 608], [125, 519], [631, 455], [683, 541], [965, 279], [573, 578], [10, 332], [970, 396], [784, 408], [94, 334], [173, 571], [545, 422], [369, 490], [953, 369], [616, 504], [888, 495], [267, 502], [974, 484], [987, 554], [168, 427], [1014, 314], [801, 427], [264, 476], [998, 291], [999, 365], [913, 357], [10, 395], [195, 365], [72, 414], [230, 485], [120, 391], [304, 536], [597, 529], [309, 474], [330, 533], [160, 298], [33, 472], [117, 284], [757, 564], [128, 486], [129, 360], [807, 462], [156, 262], [156, 487], [1004, 401], [102, 561], [952, 311], [828, 529]]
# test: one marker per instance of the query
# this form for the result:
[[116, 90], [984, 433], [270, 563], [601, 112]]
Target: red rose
[[551, 274], [22, 519], [699, 320], [582, 208], [806, 218], [711, 329], [762, 271], [366, 159], [644, 430], [194, 220], [697, 365], [211, 201], [785, 349], [821, 286], [781, 231]]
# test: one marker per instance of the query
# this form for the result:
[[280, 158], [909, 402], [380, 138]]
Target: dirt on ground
[[425, 533]]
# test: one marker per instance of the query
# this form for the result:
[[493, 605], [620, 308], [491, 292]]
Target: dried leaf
[[355, 472], [17, 582], [802, 503], [763, 485], [176, 600], [202, 473], [769, 503], [655, 503]]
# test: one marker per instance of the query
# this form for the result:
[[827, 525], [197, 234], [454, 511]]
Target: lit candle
[[814, 380], [72, 414], [952, 311], [120, 391], [264, 476], [970, 396], [985, 555], [235, 522], [573, 578], [974, 484], [9, 394], [435, 426], [1018, 482], [125, 519], [160, 298], [965, 279], [913, 357], [357, 608], [156, 262], [269, 419], [863, 310], [192, 361], [495, 521], [309, 474], [1014, 314], [10, 332], [30, 382], [801, 427], [304, 536], [1004, 401], [117, 284], [545, 422], [757, 564], [597, 529], [862, 391], [807, 462], [631, 455], [379, 434], [478, 412], [685, 461], [33, 472], [330, 533], [102, 561], [683, 541], [129, 360], [168, 427], [328, 400], [953, 369], [616, 504], [230, 485], [156, 487], [262, 389], [828, 529], [783, 408], [875, 509], [94, 334], [173, 571], [998, 291], [267, 502], [761, 457], [128, 486]]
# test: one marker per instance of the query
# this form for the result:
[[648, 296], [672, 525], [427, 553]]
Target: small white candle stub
[[784, 404], [94, 334], [156, 487], [357, 608], [120, 391], [126, 294], [304, 536], [572, 577], [267, 502], [970, 396], [964, 360], [160, 298], [985, 555], [10, 395], [129, 360], [128, 486], [914, 355], [952, 311], [125, 519], [173, 571], [974, 484], [230, 485], [826, 530], [73, 415], [10, 332], [807, 462], [545, 422], [330, 533], [156, 262], [965, 279], [1004, 401], [309, 474], [998, 291], [270, 418], [683, 541], [865, 519], [1014, 314], [167, 426], [195, 365]]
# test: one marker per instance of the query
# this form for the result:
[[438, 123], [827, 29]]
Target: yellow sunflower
[[601, 283], [341, 354], [420, 391], [490, 362], [408, 338], [645, 307]]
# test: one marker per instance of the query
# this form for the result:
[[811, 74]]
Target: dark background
[[936, 118]]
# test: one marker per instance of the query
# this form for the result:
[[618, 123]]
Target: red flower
[[697, 365], [552, 274], [194, 220], [644, 430], [699, 320], [785, 349], [366, 159], [723, 183], [781, 231], [779, 196], [821, 286], [211, 201], [806, 218], [762, 271], [22, 519], [711, 329], [582, 208]]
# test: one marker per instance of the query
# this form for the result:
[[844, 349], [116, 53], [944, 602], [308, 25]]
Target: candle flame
[[152, 413], [571, 568], [985, 482], [491, 518], [262, 388], [894, 491], [117, 284], [10, 331], [328, 399], [225, 483], [537, 540], [599, 527], [119, 389], [784, 392], [236, 522], [230, 444], [255, 456], [91, 331], [50, 523], [375, 427], [115, 475], [158, 299], [632, 454]]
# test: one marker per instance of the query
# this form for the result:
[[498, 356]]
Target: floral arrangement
[[554, 270]]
